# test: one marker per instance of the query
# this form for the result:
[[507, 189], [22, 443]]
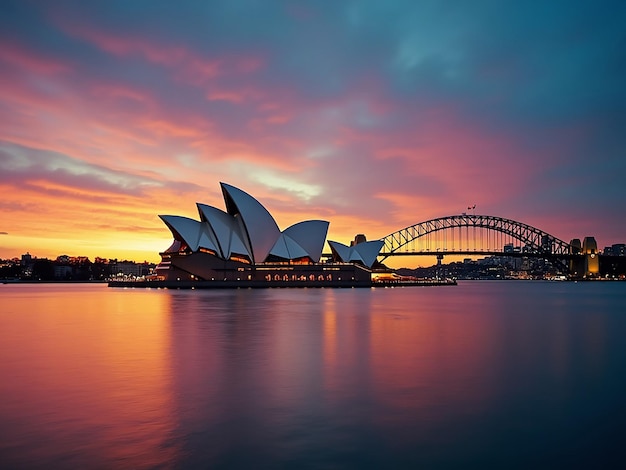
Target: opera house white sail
[[364, 252]]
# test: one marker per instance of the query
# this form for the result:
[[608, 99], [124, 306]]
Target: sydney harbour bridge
[[471, 234]]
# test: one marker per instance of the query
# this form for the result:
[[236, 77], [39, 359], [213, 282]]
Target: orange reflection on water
[[404, 351], [422, 355], [329, 326], [88, 380], [346, 345]]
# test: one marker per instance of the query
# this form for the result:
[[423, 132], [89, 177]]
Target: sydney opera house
[[244, 244]]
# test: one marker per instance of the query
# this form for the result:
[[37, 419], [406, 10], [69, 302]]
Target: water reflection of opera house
[[244, 243]]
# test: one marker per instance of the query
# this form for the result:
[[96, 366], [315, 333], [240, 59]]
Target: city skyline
[[371, 116]]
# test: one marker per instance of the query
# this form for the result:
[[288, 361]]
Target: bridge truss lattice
[[468, 229]]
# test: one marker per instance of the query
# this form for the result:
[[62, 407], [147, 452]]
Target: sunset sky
[[373, 115]]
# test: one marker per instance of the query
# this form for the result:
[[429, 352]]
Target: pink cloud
[[127, 45], [30, 61], [248, 65], [197, 71], [115, 91], [233, 95], [188, 65]]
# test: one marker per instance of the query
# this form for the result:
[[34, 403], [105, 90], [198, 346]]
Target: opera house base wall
[[243, 284], [205, 267]]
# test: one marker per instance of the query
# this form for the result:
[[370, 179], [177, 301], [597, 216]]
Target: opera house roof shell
[[364, 252], [246, 230]]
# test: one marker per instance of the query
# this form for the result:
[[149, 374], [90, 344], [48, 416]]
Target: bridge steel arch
[[536, 241]]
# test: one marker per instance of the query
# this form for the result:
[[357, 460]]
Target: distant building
[[27, 259], [547, 243], [619, 249], [130, 269], [62, 271]]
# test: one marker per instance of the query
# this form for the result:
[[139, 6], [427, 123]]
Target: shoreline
[[244, 284], [31, 281]]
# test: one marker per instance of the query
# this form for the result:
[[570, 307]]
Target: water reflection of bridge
[[470, 234]]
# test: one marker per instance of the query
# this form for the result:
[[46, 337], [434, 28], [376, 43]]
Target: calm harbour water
[[481, 375]]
